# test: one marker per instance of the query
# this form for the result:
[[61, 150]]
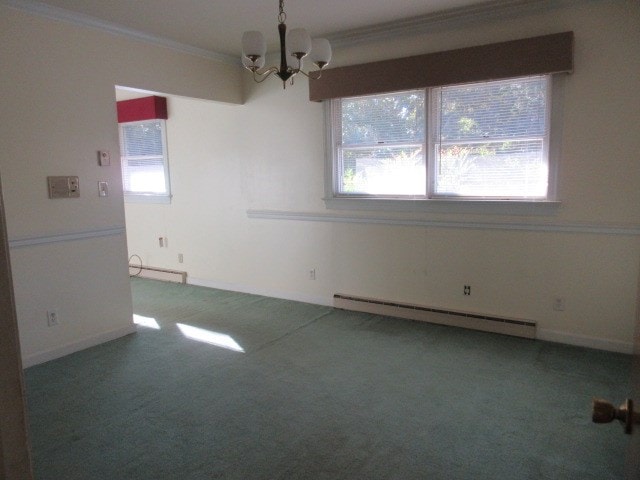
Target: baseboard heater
[[475, 321], [157, 273]]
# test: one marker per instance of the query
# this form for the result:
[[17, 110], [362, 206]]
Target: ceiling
[[216, 26]]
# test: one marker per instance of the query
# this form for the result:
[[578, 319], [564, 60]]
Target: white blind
[[491, 139], [143, 150]]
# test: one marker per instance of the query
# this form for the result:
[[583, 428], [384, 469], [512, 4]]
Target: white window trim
[[147, 198], [533, 206], [158, 198]]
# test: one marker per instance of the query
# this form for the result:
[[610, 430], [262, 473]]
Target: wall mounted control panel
[[63, 187], [104, 158]]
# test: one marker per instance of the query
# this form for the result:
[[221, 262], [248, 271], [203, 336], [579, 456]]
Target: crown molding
[[487, 11], [56, 13]]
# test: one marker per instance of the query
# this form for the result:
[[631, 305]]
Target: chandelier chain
[[282, 17]]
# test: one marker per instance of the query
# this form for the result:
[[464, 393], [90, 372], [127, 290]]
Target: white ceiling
[[217, 25]]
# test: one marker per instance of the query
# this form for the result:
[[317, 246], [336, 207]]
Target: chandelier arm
[[311, 74], [260, 77]]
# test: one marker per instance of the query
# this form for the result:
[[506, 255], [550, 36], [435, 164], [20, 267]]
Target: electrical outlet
[[558, 304], [312, 274], [180, 258], [52, 318], [467, 289]]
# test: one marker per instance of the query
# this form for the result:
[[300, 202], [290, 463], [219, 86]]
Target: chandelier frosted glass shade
[[299, 42], [320, 52], [253, 44]]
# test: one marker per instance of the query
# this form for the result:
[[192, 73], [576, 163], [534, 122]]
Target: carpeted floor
[[309, 392]]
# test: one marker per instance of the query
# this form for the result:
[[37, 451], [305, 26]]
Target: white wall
[[57, 111], [269, 155]]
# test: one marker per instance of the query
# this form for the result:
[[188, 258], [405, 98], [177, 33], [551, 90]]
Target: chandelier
[[300, 44]]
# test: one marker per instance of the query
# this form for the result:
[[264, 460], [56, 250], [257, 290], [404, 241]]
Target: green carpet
[[319, 393]]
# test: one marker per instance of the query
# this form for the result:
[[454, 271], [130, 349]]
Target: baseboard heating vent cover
[[157, 273], [475, 321]]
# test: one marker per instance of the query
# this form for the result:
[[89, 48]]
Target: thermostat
[[104, 158]]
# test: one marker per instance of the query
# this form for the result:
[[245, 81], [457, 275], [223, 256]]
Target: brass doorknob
[[605, 412]]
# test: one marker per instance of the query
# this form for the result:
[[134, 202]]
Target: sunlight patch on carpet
[[212, 338], [146, 322]]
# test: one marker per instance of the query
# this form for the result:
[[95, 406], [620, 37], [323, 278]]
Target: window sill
[[147, 198], [494, 207]]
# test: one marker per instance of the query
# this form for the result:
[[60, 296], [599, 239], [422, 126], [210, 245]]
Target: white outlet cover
[[52, 318], [558, 304]]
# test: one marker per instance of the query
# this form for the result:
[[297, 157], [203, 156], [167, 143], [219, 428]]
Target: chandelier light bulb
[[293, 62], [247, 63]]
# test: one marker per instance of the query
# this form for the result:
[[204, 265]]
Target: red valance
[[139, 109]]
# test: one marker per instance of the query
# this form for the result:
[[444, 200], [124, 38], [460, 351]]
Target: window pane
[[383, 171], [143, 157], [145, 174], [381, 145], [381, 119], [501, 109], [492, 169], [491, 139], [144, 138]]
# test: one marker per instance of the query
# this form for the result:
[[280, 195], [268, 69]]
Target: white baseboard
[[584, 341], [47, 355], [541, 334], [266, 292], [155, 273], [454, 318]]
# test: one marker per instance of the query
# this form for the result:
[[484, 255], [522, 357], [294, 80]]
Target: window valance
[[140, 109], [529, 56]]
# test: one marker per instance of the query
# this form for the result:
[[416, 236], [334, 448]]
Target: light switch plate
[[63, 187], [103, 189]]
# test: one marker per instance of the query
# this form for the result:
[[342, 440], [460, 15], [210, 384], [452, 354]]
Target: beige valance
[[529, 56]]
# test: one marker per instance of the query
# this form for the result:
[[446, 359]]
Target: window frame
[[147, 197], [334, 199]]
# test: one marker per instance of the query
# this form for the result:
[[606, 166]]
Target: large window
[[145, 168], [487, 140]]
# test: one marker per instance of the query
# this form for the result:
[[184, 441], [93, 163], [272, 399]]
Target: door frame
[[15, 457], [632, 463]]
